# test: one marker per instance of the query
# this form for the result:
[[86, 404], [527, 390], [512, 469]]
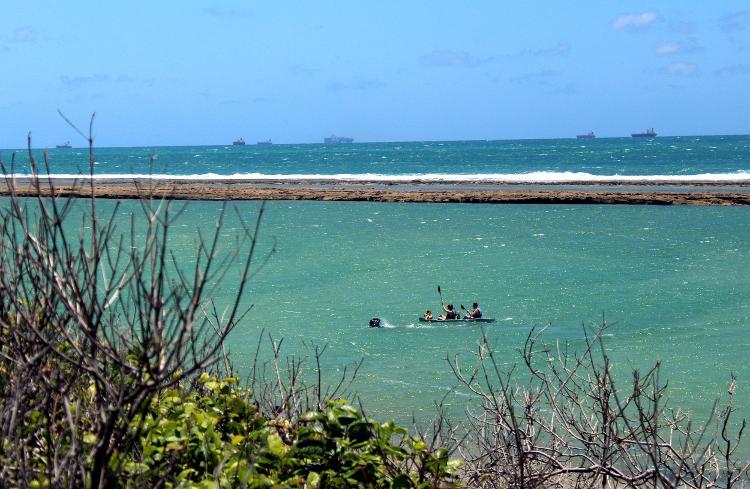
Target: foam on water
[[530, 177], [384, 323]]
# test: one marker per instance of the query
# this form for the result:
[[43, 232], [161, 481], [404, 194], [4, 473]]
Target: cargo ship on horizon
[[334, 139], [590, 135], [650, 133]]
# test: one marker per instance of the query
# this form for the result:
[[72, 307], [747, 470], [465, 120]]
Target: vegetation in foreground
[[107, 344]]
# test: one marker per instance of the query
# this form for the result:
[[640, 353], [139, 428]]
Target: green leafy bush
[[210, 435]]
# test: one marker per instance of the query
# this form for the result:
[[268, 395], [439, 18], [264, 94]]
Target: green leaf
[[401, 482], [360, 432], [453, 465], [207, 484], [276, 445], [313, 480]]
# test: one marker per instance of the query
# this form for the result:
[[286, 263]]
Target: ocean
[[672, 281], [678, 158]]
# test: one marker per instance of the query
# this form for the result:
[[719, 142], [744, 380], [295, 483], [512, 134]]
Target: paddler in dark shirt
[[450, 313], [475, 313]]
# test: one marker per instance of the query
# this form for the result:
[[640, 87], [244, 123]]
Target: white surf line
[[511, 178]]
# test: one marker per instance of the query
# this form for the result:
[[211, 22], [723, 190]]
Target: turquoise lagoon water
[[673, 280]]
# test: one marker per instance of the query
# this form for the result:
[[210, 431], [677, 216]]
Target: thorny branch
[[572, 423]]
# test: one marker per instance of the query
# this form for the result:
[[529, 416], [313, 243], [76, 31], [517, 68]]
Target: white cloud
[[667, 48], [634, 22], [24, 34], [681, 69], [673, 47]]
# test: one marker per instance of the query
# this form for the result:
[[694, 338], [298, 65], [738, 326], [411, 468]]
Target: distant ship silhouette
[[334, 139]]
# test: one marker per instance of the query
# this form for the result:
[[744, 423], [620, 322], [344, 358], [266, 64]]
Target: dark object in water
[[375, 323]]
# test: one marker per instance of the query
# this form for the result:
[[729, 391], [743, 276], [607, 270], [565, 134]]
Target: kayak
[[471, 320]]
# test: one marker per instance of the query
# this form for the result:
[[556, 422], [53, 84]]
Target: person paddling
[[450, 313], [475, 313]]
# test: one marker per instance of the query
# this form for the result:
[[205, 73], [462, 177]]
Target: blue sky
[[177, 73]]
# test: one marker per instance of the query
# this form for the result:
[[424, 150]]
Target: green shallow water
[[673, 280]]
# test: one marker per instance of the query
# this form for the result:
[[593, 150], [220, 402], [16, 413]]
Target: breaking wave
[[540, 177]]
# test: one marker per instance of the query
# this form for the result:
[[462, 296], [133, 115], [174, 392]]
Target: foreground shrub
[[212, 436], [96, 323], [106, 339]]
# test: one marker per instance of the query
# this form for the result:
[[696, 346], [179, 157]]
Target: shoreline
[[642, 193], [297, 180]]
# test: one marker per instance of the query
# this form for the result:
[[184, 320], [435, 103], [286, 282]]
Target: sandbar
[[638, 193]]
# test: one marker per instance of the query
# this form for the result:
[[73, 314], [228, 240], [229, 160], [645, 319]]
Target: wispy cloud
[[732, 71], [634, 22], [24, 34], [448, 58], [739, 21], [683, 27], [680, 69], [355, 84], [226, 12], [97, 78], [547, 81], [301, 70], [78, 81], [11, 105], [541, 77], [667, 48], [561, 48], [675, 47]]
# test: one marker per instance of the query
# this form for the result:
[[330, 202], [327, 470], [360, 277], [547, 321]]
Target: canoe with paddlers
[[458, 321]]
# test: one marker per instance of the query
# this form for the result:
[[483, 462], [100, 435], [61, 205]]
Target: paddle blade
[[462, 307], [440, 291]]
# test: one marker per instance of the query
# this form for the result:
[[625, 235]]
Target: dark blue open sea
[[712, 158]]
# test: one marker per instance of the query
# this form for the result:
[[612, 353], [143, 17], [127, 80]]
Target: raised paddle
[[441, 294]]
